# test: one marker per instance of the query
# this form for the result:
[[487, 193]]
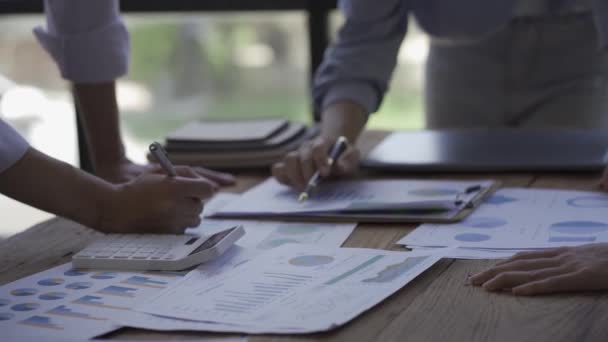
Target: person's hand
[[156, 203], [297, 167], [582, 268], [126, 170]]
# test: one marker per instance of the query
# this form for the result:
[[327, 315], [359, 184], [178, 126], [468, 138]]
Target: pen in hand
[[159, 153], [336, 151]]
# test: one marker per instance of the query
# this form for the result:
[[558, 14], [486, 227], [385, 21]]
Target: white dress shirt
[[87, 39], [89, 42]]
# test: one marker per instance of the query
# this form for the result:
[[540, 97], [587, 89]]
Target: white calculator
[[155, 252]]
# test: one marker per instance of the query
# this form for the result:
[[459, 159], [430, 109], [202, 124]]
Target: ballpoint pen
[[336, 151], [162, 158]]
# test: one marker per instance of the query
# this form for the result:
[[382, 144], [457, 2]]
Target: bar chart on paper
[[292, 288]]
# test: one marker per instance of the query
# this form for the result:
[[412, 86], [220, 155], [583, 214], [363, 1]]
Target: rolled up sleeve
[[601, 21], [87, 39], [359, 66], [12, 146]]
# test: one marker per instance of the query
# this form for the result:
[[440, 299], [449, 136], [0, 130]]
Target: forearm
[[99, 113], [56, 187], [360, 64], [343, 118]]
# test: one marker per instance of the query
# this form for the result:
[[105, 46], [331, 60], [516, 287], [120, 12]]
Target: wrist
[[110, 159], [344, 118], [108, 205]]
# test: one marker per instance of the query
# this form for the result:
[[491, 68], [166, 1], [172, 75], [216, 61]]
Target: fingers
[[221, 178], [190, 207], [191, 222], [349, 162], [319, 151], [293, 171], [515, 266], [510, 280], [199, 188], [557, 283], [549, 253], [278, 172], [306, 163], [299, 166]]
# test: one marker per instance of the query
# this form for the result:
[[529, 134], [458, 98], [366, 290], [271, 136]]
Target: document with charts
[[298, 288], [66, 303], [518, 218], [362, 200], [260, 236]]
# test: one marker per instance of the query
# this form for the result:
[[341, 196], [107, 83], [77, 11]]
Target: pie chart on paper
[[579, 227], [472, 237], [51, 282], [589, 202], [311, 260]]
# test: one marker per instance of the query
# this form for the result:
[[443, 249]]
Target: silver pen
[[336, 151], [162, 158]]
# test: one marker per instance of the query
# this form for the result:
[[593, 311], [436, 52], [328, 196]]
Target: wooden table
[[436, 306]]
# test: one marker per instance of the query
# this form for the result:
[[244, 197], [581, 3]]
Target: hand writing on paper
[[298, 166], [126, 170], [566, 269], [156, 203]]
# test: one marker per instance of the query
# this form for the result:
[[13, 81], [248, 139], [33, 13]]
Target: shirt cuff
[[357, 92], [12, 146], [97, 56]]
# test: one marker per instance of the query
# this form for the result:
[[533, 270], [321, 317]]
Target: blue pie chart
[[52, 295], [25, 306], [579, 227], [5, 316], [4, 302], [78, 286], [74, 273], [104, 275], [311, 260], [499, 199], [472, 237], [589, 202], [24, 292], [484, 222], [51, 282]]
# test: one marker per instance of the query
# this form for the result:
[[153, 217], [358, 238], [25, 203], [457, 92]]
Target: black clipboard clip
[[471, 189]]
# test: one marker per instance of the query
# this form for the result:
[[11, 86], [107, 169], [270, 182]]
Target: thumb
[[349, 162], [200, 188]]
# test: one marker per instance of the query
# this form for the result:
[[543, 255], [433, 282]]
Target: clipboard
[[254, 203]]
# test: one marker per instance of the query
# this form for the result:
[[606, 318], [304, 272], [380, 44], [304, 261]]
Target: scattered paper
[[46, 338], [469, 253], [293, 288], [520, 219]]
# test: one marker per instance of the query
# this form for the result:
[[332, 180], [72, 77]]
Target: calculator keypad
[[141, 247]]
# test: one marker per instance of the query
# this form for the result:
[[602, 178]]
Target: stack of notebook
[[235, 144]]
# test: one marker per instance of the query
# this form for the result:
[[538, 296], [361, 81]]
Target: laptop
[[491, 150]]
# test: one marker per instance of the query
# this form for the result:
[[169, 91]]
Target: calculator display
[[213, 240]]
